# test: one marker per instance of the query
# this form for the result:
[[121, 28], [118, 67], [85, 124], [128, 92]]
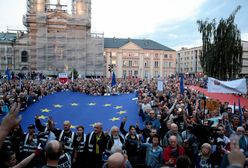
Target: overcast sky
[[169, 22]]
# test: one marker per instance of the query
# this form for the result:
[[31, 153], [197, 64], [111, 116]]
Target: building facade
[[244, 70], [138, 57], [56, 40], [188, 60]]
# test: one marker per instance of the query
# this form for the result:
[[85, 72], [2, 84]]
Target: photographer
[[172, 152]]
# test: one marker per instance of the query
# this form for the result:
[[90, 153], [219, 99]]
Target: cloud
[[244, 36], [129, 18], [195, 43]]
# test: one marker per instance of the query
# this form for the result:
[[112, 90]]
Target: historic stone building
[[56, 41], [142, 58]]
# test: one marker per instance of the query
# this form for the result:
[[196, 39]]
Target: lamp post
[[110, 66], [13, 50]]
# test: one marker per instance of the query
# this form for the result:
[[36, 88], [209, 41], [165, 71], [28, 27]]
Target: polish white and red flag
[[63, 78]]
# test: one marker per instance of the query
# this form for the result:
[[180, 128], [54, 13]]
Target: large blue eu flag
[[82, 109]]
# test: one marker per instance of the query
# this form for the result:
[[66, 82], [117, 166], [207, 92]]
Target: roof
[[7, 37], [143, 43]]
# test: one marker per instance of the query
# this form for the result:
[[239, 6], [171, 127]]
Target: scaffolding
[[61, 41]]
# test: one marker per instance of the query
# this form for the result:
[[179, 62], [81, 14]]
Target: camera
[[174, 153]]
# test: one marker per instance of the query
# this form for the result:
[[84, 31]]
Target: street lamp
[[13, 50]]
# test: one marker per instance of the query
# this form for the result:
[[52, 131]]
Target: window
[[129, 63], [146, 74], [136, 73], [166, 64], [113, 61], [9, 50], [135, 63], [146, 64], [156, 64], [156, 55], [170, 64], [165, 56], [170, 56], [130, 72], [9, 60], [24, 56], [125, 63], [156, 74], [124, 73]]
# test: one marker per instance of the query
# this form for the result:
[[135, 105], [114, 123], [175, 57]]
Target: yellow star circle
[[45, 110], [115, 119]]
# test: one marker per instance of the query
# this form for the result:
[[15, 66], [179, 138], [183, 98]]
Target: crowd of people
[[177, 128]]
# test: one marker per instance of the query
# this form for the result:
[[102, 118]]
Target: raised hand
[[124, 119], [10, 121]]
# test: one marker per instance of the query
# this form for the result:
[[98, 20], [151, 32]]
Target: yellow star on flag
[[45, 110], [73, 126], [92, 104], [115, 119], [118, 107], [93, 124], [122, 112], [57, 105], [107, 105], [74, 104], [42, 117]]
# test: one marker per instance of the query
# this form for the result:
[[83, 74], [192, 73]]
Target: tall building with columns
[[138, 57]]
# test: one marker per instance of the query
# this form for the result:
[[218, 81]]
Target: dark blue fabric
[[240, 114], [7, 73], [86, 112], [113, 83], [181, 85]]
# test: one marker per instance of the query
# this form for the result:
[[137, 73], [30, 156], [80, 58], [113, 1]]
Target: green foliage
[[222, 50], [75, 73]]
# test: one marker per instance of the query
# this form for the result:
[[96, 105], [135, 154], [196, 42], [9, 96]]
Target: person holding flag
[[113, 82], [181, 77], [8, 74]]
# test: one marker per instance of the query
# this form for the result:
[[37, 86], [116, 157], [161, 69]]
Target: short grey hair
[[98, 124], [114, 127], [115, 148]]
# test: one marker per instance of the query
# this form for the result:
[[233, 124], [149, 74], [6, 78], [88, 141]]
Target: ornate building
[[56, 40], [138, 57]]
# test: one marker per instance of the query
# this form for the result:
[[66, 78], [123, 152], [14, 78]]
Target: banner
[[63, 78], [181, 84], [7, 73], [86, 110], [234, 86], [160, 85], [113, 82]]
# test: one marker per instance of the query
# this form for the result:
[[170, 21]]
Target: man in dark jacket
[[96, 145]]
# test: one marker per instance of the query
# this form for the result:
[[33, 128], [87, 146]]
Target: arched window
[[24, 56], [24, 68]]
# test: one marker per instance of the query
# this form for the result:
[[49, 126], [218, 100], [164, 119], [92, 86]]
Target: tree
[[75, 73], [221, 49]]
